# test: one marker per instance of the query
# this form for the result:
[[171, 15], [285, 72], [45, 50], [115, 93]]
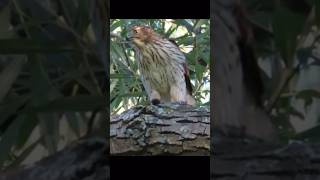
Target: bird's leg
[[155, 97]]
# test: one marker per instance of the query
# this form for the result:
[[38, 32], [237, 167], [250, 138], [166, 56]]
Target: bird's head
[[140, 35]]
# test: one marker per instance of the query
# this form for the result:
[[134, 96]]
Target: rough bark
[[169, 129], [84, 160], [248, 159]]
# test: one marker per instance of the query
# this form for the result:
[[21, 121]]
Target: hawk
[[162, 65]]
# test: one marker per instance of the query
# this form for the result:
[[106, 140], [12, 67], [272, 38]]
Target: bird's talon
[[155, 101]]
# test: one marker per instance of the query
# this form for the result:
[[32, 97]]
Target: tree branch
[[83, 160], [244, 158], [156, 130]]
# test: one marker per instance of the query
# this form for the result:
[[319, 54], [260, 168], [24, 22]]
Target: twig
[[288, 74]]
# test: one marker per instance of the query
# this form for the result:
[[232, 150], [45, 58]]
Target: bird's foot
[[155, 101]]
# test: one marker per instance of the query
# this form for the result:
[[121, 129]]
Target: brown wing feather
[[187, 79], [186, 72]]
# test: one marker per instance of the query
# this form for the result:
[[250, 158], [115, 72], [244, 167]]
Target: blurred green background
[[287, 45], [191, 35], [53, 72]]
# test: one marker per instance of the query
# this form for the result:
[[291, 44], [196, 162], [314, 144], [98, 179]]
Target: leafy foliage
[[287, 44], [53, 67]]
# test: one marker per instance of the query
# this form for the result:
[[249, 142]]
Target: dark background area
[[54, 74], [53, 77], [160, 167]]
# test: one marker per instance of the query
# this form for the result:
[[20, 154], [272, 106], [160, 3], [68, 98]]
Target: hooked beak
[[129, 36]]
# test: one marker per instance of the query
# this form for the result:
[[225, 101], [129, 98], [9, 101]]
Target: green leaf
[[185, 40], [42, 90], [30, 122], [261, 21], [119, 52], [9, 74], [5, 22], [133, 94], [113, 85], [198, 25], [88, 85], [293, 111], [98, 22], [185, 23], [317, 9], [24, 46], [307, 96], [303, 54], [199, 69], [308, 93], [121, 76], [115, 104], [10, 136], [24, 154], [286, 27], [116, 24], [285, 128], [68, 11], [170, 31], [49, 129], [11, 107], [73, 122], [82, 20], [75, 104], [312, 134]]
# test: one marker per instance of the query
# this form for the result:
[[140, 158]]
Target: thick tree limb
[[246, 159], [83, 160], [156, 130]]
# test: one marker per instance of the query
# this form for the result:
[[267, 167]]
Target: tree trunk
[[169, 129]]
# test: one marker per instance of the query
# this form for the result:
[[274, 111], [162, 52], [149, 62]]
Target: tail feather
[[190, 99], [188, 83]]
